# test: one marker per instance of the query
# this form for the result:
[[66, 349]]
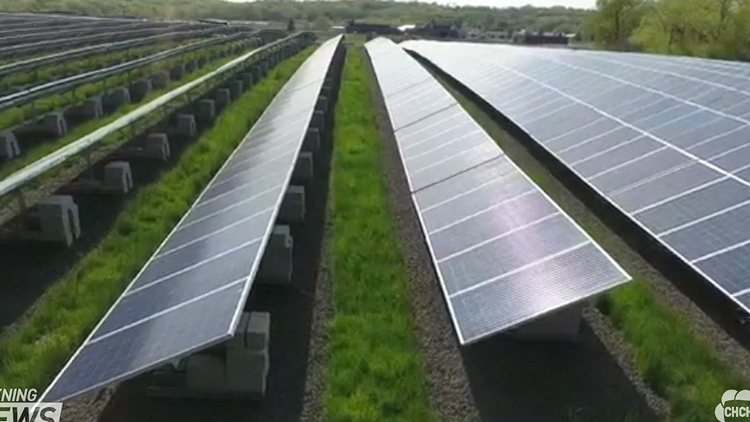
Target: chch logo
[[739, 410]]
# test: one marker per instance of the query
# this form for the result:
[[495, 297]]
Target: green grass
[[98, 61], [44, 149], [19, 114], [374, 371], [34, 350], [683, 369]]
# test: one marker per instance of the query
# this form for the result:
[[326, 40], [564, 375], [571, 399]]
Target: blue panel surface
[[688, 161], [486, 223], [191, 292]]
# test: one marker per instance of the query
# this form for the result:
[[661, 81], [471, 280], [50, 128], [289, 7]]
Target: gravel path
[[450, 391], [312, 407]]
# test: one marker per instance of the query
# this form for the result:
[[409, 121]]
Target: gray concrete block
[[186, 125], [205, 372], [247, 371], [303, 169], [253, 332], [9, 145], [236, 88], [277, 263], [318, 121], [311, 143], [92, 108], [247, 80], [118, 177], [117, 98], [257, 72], [292, 208], [140, 89], [57, 220], [322, 105], [177, 72], [160, 80], [55, 124], [206, 111], [223, 97], [192, 65], [157, 145]]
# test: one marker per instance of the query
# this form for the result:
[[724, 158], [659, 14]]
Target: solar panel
[[191, 292], [664, 139], [505, 253]]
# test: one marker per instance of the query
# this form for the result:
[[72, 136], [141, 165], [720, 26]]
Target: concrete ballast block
[[177, 72], [247, 80], [118, 177], [92, 108], [160, 80], [58, 220], [223, 97], [186, 125], [157, 145], [311, 142], [141, 88], [206, 111], [117, 98], [276, 264], [55, 124], [9, 145], [237, 88], [303, 169], [292, 208]]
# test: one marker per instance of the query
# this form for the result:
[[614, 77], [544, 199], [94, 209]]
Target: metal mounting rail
[[47, 163], [61, 85], [42, 46], [34, 63], [75, 26], [89, 29]]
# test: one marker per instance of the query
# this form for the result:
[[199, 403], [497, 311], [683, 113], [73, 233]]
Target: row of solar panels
[[504, 252], [191, 292], [666, 140]]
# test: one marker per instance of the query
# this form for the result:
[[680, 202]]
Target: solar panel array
[[664, 139], [504, 252], [192, 291]]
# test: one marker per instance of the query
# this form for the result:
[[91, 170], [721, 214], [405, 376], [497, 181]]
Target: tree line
[[707, 28], [322, 14]]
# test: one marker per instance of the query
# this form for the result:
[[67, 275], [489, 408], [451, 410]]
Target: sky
[[508, 3]]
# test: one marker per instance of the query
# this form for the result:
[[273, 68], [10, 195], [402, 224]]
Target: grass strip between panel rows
[[676, 365], [32, 352], [98, 61], [374, 371], [80, 131], [52, 102]]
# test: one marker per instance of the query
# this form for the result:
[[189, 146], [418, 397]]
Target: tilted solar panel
[[504, 252], [664, 139], [191, 292]]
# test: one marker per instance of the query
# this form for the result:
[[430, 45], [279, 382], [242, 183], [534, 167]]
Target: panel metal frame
[[744, 119], [256, 264], [374, 52]]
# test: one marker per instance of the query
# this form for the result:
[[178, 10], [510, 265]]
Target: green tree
[[615, 20]]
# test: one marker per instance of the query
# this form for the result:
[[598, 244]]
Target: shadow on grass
[[551, 381]]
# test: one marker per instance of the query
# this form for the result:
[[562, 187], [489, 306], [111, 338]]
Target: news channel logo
[[20, 405]]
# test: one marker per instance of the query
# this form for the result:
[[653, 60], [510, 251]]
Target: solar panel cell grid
[[487, 225], [689, 162], [189, 294]]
